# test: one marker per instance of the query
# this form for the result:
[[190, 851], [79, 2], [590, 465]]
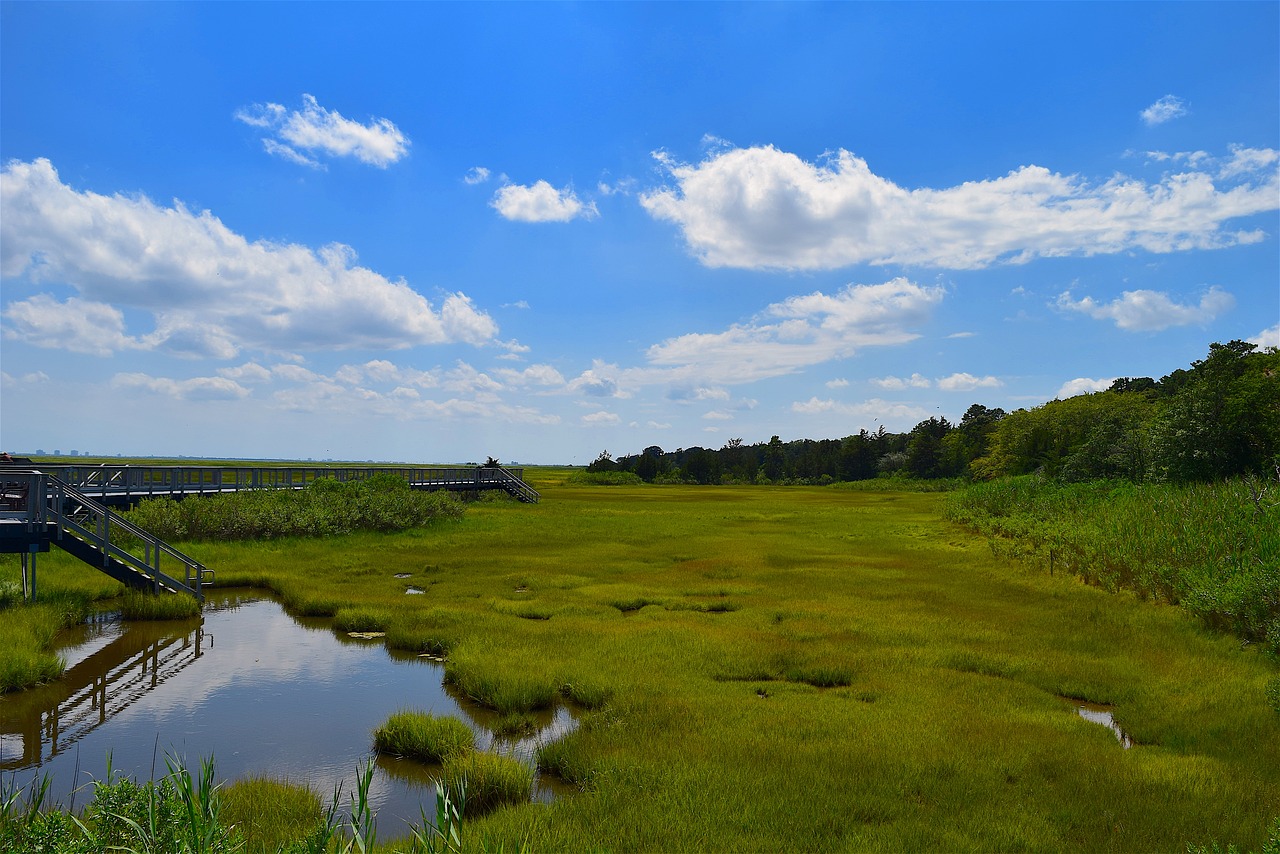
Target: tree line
[[1216, 419]]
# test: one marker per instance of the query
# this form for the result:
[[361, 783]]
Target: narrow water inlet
[[1101, 715]]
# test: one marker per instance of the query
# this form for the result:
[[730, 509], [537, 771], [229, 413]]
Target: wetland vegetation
[[771, 667], [1054, 629]]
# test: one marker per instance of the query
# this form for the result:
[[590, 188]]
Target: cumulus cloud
[[1163, 110], [899, 383], [210, 291], [1150, 311], [197, 388], [541, 203], [543, 376], [476, 175], [1083, 385], [874, 408], [801, 331], [762, 208], [1267, 337], [81, 326], [955, 382], [300, 135], [967, 382], [601, 419], [600, 380]]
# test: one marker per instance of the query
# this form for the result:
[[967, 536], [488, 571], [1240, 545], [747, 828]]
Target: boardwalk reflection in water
[[133, 660], [274, 697]]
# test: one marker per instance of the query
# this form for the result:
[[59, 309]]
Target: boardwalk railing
[[39, 510], [128, 484]]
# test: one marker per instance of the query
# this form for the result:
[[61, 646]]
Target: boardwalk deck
[[70, 507], [126, 485]]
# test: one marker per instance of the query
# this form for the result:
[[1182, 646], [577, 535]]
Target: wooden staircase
[[39, 510]]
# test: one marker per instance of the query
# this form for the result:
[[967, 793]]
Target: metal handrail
[[45, 495], [105, 481]]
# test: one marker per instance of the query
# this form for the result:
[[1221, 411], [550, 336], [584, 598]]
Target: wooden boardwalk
[[126, 485], [71, 507]]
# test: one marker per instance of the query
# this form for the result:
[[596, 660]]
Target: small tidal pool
[[261, 692]]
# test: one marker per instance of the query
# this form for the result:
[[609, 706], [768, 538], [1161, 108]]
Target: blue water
[[263, 693]]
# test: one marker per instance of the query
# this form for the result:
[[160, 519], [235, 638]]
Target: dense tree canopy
[[1219, 418]]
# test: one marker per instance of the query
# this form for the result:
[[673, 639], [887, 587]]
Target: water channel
[[261, 692]]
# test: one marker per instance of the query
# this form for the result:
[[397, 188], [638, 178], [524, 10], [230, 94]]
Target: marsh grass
[[1212, 548], [360, 620], [28, 632], [422, 736], [951, 733], [270, 813], [490, 781], [135, 605]]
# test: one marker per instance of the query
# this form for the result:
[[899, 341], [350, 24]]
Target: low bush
[[604, 478], [325, 507]]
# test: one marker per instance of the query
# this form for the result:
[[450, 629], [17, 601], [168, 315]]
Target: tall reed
[[1212, 548]]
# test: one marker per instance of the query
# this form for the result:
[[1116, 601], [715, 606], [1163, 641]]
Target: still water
[[261, 692]]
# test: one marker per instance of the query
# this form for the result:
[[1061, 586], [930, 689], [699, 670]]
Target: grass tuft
[[136, 605], [490, 781], [270, 813], [423, 736], [360, 620]]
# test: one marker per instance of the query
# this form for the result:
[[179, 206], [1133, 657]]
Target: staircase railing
[[516, 486], [40, 501]]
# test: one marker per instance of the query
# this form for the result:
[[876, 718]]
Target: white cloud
[[800, 331], [762, 208], [211, 291], [250, 372], [899, 383], [8, 380], [600, 380], [476, 175], [1245, 161], [837, 383], [196, 388], [541, 203], [81, 326], [1191, 158], [718, 415], [1150, 311], [316, 130], [962, 335], [534, 375], [1164, 109], [967, 382], [690, 394], [601, 419], [874, 408], [1267, 337], [1083, 385]]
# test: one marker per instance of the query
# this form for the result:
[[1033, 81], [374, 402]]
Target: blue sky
[[436, 232]]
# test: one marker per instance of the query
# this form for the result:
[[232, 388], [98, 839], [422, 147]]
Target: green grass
[[1212, 548], [884, 683], [423, 736], [158, 606], [489, 781], [270, 813]]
